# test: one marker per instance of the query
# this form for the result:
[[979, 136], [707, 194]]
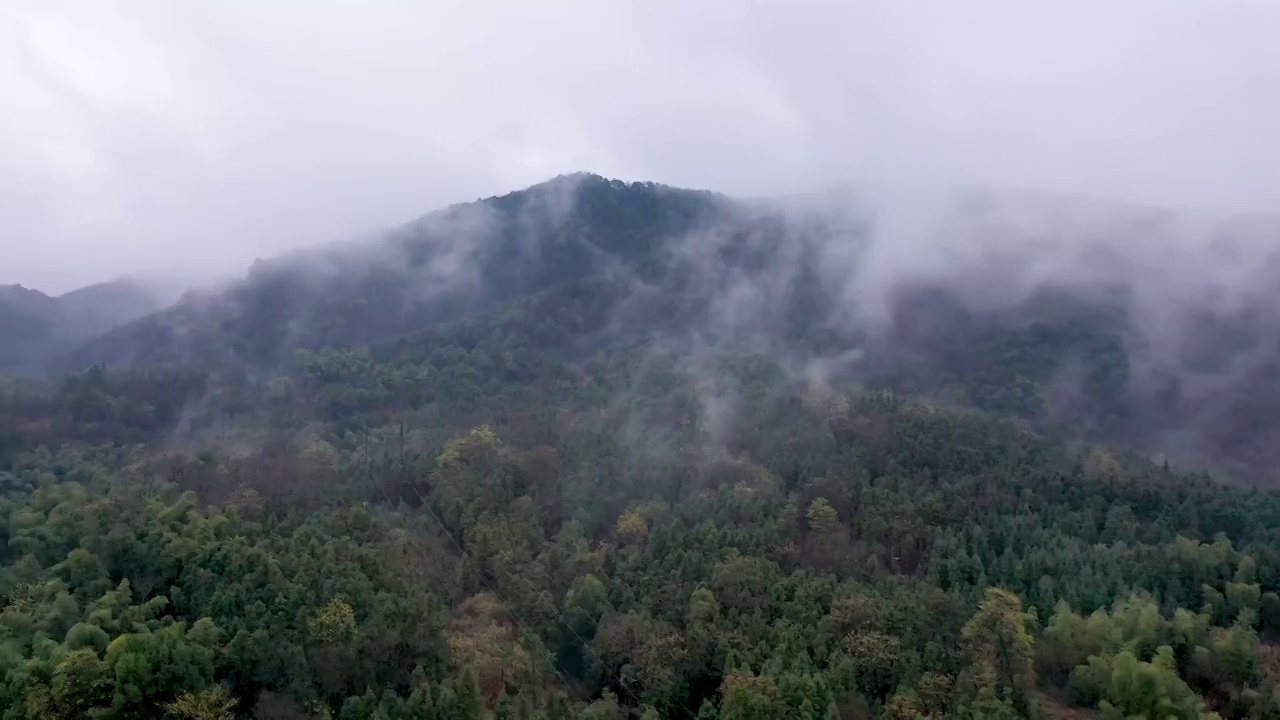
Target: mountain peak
[[17, 289]]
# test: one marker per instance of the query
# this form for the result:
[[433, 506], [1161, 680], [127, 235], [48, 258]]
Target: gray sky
[[190, 138]]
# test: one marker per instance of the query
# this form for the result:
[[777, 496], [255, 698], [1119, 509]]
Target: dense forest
[[606, 450]]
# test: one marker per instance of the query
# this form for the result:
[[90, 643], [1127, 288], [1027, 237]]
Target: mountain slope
[[1140, 327], [631, 451], [448, 265]]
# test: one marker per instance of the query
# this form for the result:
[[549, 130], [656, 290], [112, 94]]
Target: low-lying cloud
[[189, 139]]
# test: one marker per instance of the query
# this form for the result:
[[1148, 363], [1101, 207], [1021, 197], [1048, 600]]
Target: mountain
[[453, 264], [35, 328], [1144, 327], [598, 449]]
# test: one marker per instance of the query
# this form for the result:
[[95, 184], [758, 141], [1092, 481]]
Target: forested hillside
[[607, 450]]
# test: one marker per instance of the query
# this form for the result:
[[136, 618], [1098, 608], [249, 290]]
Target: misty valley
[[617, 450]]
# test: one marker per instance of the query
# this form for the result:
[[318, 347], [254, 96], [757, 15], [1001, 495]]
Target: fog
[[186, 140]]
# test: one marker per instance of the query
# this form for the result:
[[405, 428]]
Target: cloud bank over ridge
[[191, 139]]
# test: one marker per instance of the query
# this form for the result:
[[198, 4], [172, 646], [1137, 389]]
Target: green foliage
[[212, 703], [1000, 650], [1127, 687], [530, 507], [749, 697]]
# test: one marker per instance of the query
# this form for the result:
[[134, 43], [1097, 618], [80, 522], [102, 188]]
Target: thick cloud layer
[[190, 138]]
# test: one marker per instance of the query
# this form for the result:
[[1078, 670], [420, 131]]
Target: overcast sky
[[193, 137]]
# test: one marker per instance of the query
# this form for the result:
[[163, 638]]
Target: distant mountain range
[[36, 328]]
